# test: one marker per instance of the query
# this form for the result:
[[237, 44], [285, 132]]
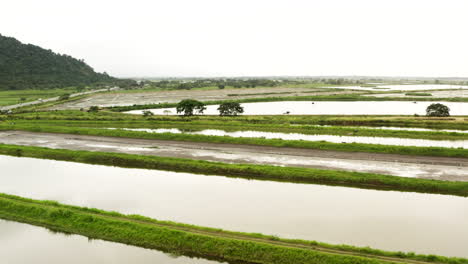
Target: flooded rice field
[[405, 87], [436, 94], [423, 223], [405, 129], [327, 138], [405, 166], [328, 108], [45, 246]]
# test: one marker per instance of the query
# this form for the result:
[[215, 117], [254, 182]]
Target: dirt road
[[454, 169]]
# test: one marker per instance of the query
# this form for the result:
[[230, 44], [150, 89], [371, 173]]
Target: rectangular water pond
[[408, 142], [390, 220], [22, 243], [328, 108]]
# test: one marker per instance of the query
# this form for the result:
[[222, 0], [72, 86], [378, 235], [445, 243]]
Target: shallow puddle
[[401, 221]]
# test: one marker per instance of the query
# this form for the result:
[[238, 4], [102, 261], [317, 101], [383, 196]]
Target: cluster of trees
[[26, 66], [189, 107]]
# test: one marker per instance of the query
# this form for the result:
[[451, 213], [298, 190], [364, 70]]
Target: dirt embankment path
[[442, 168]]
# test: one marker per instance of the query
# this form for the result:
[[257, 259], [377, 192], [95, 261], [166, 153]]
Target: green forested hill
[[26, 66]]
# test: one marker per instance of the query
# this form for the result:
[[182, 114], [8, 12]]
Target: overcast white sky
[[249, 37]]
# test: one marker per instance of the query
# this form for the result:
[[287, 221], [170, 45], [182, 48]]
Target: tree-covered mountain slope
[[26, 66]]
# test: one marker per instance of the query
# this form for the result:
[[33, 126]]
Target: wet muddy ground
[[443, 168], [118, 99]]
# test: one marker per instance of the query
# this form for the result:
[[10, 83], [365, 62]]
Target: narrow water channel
[[22, 243], [411, 142], [390, 220]]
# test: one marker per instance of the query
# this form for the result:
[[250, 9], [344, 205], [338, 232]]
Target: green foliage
[[25, 66], [438, 110], [230, 109], [147, 113], [249, 171], [64, 97], [188, 106], [417, 94], [93, 109]]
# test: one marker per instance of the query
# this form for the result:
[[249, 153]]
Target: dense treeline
[[26, 66], [187, 84]]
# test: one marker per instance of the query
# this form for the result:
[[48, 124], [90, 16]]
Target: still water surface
[[423, 223], [329, 108], [328, 138], [405, 87], [22, 243]]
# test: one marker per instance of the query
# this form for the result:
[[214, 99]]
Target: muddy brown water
[[22, 243], [389, 220]]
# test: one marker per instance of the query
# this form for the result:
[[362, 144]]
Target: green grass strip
[[249, 171], [234, 125], [321, 145], [194, 240], [458, 122]]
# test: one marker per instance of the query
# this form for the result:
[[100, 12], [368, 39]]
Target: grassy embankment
[[320, 145], [192, 240], [417, 94], [457, 122], [235, 124], [248, 171]]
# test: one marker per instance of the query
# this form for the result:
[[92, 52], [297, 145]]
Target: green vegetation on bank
[[194, 240], [230, 125], [454, 122], [249, 171], [417, 94], [321, 145]]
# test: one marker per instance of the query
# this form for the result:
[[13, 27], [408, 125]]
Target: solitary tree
[[437, 110], [64, 97], [230, 109], [188, 106], [93, 109], [147, 113]]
